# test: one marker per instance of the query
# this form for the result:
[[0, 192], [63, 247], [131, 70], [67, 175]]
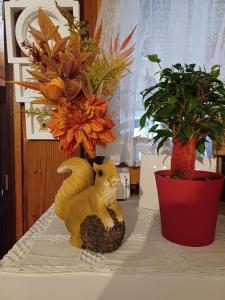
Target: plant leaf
[[41, 100], [47, 26], [116, 44], [38, 75], [201, 148], [153, 128], [164, 132], [75, 44], [127, 39], [86, 86], [60, 46], [142, 121], [126, 53], [160, 144], [28, 85], [154, 58], [49, 62], [192, 103], [111, 48], [98, 33], [52, 33], [38, 36]]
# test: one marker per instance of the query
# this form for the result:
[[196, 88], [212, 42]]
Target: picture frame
[[17, 29], [36, 127], [21, 74]]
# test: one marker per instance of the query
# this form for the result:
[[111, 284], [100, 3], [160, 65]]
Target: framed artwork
[[36, 127], [17, 29], [21, 74]]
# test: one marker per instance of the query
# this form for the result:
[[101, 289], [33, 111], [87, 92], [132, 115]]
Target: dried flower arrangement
[[76, 79]]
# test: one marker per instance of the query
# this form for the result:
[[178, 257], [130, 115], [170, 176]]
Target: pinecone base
[[97, 239]]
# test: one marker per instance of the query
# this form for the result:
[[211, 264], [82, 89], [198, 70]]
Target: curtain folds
[[187, 31]]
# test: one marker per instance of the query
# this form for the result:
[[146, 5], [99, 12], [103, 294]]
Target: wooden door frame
[[7, 165]]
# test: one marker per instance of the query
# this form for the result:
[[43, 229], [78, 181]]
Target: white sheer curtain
[[184, 31]]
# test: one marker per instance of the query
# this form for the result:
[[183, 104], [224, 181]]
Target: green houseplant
[[188, 105]]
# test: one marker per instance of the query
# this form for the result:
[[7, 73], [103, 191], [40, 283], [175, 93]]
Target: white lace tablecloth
[[42, 265]]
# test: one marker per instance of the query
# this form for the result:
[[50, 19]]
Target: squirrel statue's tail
[[82, 177]]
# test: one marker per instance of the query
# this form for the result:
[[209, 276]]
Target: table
[[43, 266]]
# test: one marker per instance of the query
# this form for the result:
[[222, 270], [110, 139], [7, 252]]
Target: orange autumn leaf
[[126, 53], [47, 27], [98, 33], [116, 44], [127, 39], [28, 85], [60, 46]]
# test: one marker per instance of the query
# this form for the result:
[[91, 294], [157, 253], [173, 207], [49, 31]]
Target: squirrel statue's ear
[[97, 159], [95, 167]]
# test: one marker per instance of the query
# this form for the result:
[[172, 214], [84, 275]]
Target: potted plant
[[188, 105]]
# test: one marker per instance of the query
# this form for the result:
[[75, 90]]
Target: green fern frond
[[39, 112]]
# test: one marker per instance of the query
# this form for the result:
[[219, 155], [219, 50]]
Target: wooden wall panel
[[18, 159], [40, 178], [89, 11]]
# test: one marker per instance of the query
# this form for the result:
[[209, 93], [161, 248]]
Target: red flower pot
[[189, 208]]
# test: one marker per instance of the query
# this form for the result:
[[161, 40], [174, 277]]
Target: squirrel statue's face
[[107, 177]]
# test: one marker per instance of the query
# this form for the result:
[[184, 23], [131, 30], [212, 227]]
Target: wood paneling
[[40, 178], [89, 11], [18, 158]]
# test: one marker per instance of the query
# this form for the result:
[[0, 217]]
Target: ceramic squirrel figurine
[[78, 197]]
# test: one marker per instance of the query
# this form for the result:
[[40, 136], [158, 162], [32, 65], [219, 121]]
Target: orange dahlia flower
[[83, 121]]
